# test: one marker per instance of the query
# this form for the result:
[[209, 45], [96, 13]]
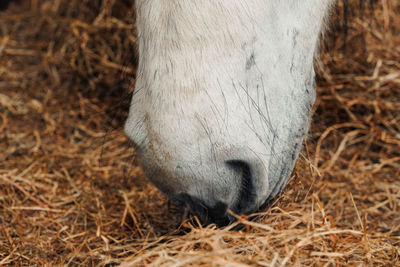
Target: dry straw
[[70, 189]]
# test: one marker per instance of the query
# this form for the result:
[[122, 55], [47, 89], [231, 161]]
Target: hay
[[71, 192]]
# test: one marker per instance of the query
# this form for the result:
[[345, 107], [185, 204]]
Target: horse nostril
[[246, 197]]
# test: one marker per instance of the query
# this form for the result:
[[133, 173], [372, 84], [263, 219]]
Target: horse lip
[[216, 214]]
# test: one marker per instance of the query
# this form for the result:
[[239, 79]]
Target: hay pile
[[71, 191]]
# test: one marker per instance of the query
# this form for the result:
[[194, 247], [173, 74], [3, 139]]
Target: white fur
[[223, 80]]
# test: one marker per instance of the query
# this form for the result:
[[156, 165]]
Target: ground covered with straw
[[71, 191]]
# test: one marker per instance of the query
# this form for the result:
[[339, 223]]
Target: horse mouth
[[217, 214]]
